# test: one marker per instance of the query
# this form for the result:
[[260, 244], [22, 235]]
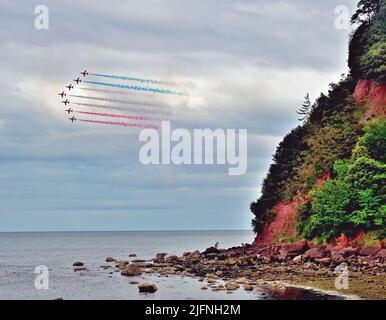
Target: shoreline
[[277, 268]]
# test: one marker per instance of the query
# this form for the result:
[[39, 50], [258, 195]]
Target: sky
[[248, 63]]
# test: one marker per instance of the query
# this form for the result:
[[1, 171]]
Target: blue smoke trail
[[132, 79], [136, 88]]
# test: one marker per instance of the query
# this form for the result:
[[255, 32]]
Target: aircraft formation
[[141, 96]]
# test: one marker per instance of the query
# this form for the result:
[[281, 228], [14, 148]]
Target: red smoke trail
[[122, 124], [116, 115]]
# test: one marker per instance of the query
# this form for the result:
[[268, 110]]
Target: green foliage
[[305, 109], [367, 48], [373, 62], [374, 139], [355, 200]]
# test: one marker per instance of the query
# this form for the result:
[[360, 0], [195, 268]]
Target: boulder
[[283, 255], [313, 253], [232, 286], [147, 287], [298, 259], [323, 261], [160, 257], [211, 255], [248, 287], [211, 250], [349, 251], [369, 251], [298, 248], [186, 253], [78, 264], [120, 263], [337, 258], [381, 255], [131, 271], [132, 255], [77, 269], [172, 259], [110, 259], [133, 282]]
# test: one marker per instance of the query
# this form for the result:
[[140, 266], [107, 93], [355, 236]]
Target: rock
[[204, 288], [172, 259], [77, 269], [147, 287], [211, 280], [131, 271], [242, 280], [298, 259], [121, 263], [110, 259], [381, 255], [337, 258], [369, 251], [313, 253], [138, 260], [283, 255], [186, 253], [349, 251], [232, 286], [59, 298], [133, 282], [248, 287], [211, 255], [298, 248], [231, 261], [78, 264], [160, 257], [323, 261], [132, 255], [211, 250]]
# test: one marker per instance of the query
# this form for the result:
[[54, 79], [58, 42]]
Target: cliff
[[328, 176]]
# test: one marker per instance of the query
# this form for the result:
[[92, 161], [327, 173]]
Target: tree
[[366, 10], [305, 109]]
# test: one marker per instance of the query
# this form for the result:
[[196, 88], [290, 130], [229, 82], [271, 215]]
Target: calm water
[[20, 253]]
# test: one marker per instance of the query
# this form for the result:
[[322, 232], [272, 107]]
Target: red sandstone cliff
[[283, 225], [374, 95]]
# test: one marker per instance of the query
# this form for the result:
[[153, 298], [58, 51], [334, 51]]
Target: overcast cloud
[[246, 64]]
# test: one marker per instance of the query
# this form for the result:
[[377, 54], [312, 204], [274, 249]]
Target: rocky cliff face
[[283, 225], [328, 174], [374, 95]]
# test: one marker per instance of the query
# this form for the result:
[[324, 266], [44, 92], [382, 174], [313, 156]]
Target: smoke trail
[[116, 115], [122, 124], [126, 93], [147, 104], [136, 88], [141, 80], [104, 106]]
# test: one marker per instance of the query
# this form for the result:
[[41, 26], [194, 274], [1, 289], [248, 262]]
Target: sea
[[39, 266]]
